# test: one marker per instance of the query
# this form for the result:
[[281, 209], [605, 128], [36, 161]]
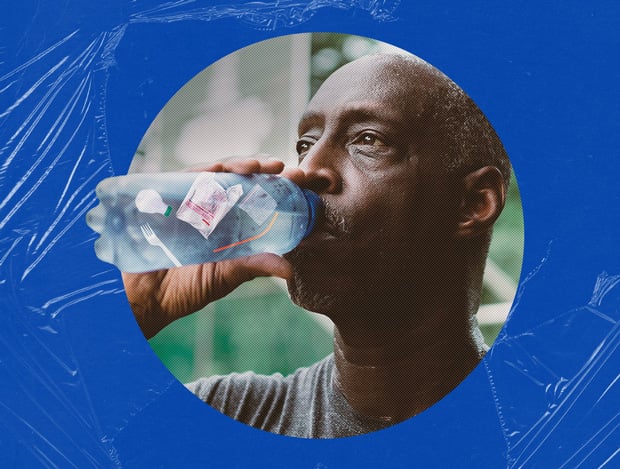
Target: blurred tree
[[329, 51]]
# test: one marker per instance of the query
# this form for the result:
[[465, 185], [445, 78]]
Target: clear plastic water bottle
[[160, 220]]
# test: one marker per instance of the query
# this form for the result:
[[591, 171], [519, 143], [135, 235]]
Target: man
[[412, 177]]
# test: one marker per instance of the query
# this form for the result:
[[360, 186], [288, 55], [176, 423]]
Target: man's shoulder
[[274, 402], [303, 404], [248, 385]]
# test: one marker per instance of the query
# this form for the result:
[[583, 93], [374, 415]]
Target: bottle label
[[207, 202], [258, 204]]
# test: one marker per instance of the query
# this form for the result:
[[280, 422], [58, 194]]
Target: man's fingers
[[262, 265], [272, 265], [252, 165], [256, 164], [295, 174], [211, 167], [271, 166]]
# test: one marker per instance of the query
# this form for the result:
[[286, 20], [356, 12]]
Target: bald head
[[446, 124]]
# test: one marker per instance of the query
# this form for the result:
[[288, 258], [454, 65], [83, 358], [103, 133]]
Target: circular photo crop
[[397, 279]]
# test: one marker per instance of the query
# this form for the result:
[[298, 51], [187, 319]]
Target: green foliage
[[330, 51], [259, 330]]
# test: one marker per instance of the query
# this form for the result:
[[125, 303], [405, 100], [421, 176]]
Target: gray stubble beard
[[303, 293]]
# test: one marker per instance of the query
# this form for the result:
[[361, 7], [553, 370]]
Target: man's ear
[[483, 194]]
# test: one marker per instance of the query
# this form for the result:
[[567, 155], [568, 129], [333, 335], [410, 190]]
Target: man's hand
[[161, 297]]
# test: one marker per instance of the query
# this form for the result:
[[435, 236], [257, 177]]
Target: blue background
[[79, 85]]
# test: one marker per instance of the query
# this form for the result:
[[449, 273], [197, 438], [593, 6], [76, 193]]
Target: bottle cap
[[314, 205]]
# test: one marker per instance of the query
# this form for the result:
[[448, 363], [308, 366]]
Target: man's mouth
[[333, 222], [327, 228], [321, 232]]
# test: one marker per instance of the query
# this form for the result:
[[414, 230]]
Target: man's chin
[[325, 293], [311, 297], [322, 283]]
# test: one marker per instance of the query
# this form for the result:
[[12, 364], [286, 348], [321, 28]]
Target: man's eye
[[369, 139], [303, 146]]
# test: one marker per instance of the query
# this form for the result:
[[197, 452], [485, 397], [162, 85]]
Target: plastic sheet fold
[[79, 84]]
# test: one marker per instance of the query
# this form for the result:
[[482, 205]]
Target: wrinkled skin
[[359, 148]]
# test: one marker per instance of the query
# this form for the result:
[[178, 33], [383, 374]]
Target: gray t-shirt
[[305, 404]]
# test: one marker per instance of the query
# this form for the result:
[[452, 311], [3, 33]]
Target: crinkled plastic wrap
[[79, 84]]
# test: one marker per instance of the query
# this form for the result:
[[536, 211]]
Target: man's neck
[[395, 372]]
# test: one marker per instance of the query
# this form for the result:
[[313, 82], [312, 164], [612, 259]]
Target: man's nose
[[323, 173]]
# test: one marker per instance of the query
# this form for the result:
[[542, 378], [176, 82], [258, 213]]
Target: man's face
[[358, 143]]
